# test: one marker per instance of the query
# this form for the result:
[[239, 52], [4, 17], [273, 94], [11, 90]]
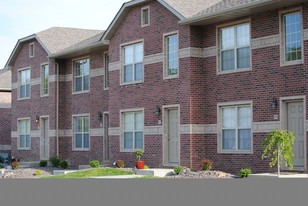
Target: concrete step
[[158, 172]]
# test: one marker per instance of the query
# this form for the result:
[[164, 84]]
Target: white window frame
[[122, 73], [43, 94], [82, 76], [237, 105], [166, 52], [19, 120], [106, 71], [282, 14], [19, 83], [31, 50], [143, 9], [74, 119], [122, 113], [219, 50]]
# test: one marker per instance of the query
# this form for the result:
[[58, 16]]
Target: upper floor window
[[293, 36], [81, 132], [106, 74], [133, 63], [172, 55], [31, 50], [24, 134], [81, 75], [236, 124], [235, 47], [45, 80], [24, 84], [145, 16]]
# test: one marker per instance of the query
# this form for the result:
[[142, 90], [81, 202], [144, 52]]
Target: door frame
[[165, 109], [41, 135], [284, 120]]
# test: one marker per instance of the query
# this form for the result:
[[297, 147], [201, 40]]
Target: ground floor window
[[81, 132], [24, 133]]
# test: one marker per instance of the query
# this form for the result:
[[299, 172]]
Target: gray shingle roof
[[56, 39], [5, 79], [190, 8]]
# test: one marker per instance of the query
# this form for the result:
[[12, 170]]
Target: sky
[[21, 18]]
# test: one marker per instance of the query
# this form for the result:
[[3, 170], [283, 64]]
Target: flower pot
[[140, 164]]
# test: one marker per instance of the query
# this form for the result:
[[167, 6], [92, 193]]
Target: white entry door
[[44, 146], [173, 136], [296, 125]]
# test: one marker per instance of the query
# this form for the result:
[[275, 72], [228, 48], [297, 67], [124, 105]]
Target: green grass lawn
[[91, 173]]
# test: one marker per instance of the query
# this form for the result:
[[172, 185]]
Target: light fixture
[[157, 111], [274, 103], [99, 116], [37, 119]]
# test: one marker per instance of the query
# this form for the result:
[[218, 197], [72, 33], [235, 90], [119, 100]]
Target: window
[[133, 63], [172, 55], [24, 84], [82, 132], [235, 47], [106, 75], [293, 36], [24, 133], [31, 50], [45, 80], [236, 128], [81, 75], [133, 130], [145, 16]]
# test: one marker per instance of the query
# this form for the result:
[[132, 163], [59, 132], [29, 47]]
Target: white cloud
[[23, 18]]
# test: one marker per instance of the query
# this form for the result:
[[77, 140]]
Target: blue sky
[[20, 18]]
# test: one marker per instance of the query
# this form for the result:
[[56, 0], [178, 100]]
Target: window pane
[[129, 55], [243, 58], [22, 92], [86, 67], [129, 122], [243, 35], [227, 60], [86, 140], [78, 143], [172, 56], [138, 53], [27, 94], [139, 121], [128, 73], [293, 36], [27, 140], [85, 83], [128, 140], [139, 140], [78, 124], [22, 141], [244, 139], [138, 72], [145, 16], [244, 115], [78, 84], [86, 124], [28, 76], [229, 118], [227, 38], [228, 139]]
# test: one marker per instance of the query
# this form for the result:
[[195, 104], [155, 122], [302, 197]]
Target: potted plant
[[139, 163]]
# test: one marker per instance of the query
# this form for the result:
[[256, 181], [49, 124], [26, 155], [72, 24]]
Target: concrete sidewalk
[[282, 175]]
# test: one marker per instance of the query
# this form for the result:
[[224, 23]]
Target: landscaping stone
[[187, 173]]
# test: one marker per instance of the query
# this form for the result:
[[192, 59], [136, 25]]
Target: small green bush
[[94, 163], [63, 164], [1, 159], [245, 172], [38, 172], [43, 163], [177, 169], [146, 167], [120, 163], [1, 166], [139, 153], [15, 165], [55, 161], [206, 164]]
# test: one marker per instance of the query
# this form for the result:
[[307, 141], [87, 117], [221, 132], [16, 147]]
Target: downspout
[[57, 110]]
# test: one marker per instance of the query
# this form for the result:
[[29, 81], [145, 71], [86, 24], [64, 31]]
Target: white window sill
[[81, 150], [131, 83], [20, 99], [24, 149], [171, 77], [235, 152], [234, 71], [82, 92], [291, 63]]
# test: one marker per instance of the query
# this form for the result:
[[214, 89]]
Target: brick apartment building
[[183, 80]]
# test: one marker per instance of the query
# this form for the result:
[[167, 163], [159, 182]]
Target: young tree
[[277, 145]]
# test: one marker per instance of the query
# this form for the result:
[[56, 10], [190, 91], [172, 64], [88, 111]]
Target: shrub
[[43, 163], [15, 165], [63, 164], [146, 167], [245, 172], [206, 164], [1, 166], [94, 163], [55, 161], [177, 169], [38, 172], [1, 159], [139, 153], [120, 163]]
